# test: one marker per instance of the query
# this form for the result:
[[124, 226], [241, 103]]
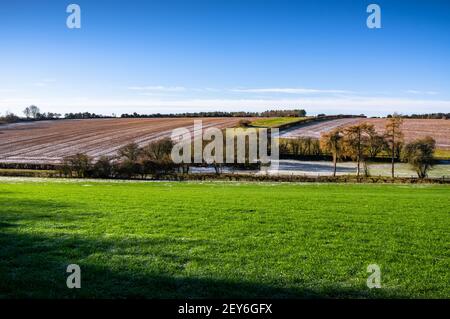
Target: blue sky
[[178, 56]]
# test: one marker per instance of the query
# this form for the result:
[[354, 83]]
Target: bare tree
[[377, 143], [79, 163], [159, 150], [27, 112], [356, 143], [394, 137], [130, 152], [332, 142], [34, 111]]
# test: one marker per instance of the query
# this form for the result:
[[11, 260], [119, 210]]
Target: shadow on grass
[[34, 266]]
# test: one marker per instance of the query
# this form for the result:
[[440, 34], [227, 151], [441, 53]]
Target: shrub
[[103, 168], [156, 158], [128, 169], [158, 150], [419, 154], [244, 123], [130, 152], [9, 118], [79, 163]]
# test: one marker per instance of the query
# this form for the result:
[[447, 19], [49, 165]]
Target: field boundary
[[242, 177]]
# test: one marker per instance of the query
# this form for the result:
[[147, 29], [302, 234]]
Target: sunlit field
[[276, 121], [175, 239]]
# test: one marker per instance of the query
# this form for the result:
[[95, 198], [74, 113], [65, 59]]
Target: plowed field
[[50, 141], [412, 129]]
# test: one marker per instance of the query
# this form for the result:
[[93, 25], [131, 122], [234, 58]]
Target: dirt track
[[49, 141]]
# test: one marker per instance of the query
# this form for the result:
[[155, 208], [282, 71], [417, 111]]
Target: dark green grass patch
[[169, 240]]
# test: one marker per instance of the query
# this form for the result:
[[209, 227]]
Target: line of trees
[[361, 142], [33, 112], [131, 160], [299, 147], [9, 118], [269, 113], [86, 115], [436, 116], [155, 159]]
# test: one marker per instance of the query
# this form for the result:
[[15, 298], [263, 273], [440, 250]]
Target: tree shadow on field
[[34, 266]]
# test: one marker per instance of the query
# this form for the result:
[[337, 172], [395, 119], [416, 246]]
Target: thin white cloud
[[291, 91], [158, 88], [7, 90], [153, 90], [39, 84], [43, 82], [149, 90], [417, 92]]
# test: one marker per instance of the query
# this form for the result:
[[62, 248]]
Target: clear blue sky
[[192, 55]]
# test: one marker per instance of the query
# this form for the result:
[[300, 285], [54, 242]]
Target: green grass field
[[276, 121], [169, 239]]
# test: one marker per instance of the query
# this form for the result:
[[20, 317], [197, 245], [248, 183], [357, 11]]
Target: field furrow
[[50, 141], [412, 129]]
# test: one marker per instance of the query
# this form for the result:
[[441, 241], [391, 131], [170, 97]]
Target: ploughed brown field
[[315, 129], [50, 141], [417, 128], [412, 129]]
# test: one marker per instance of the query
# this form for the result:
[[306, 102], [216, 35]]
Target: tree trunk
[[359, 155], [393, 161], [393, 155], [358, 167], [334, 163]]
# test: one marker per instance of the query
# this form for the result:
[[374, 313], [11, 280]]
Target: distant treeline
[[33, 113], [269, 113], [85, 115], [425, 116]]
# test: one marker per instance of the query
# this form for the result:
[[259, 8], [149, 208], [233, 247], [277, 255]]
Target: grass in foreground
[[173, 240], [276, 121]]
